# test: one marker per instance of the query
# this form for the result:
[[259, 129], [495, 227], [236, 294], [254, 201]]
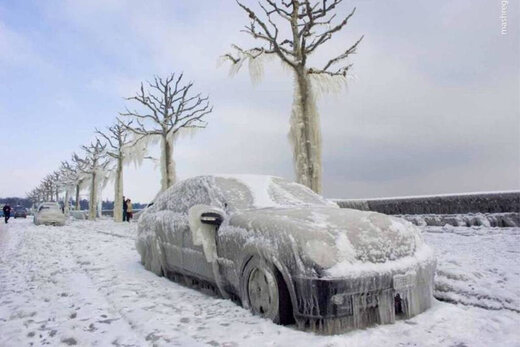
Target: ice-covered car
[[286, 253], [138, 214], [20, 212], [49, 213]]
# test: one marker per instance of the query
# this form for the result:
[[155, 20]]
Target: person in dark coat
[[129, 210], [125, 209], [7, 212]]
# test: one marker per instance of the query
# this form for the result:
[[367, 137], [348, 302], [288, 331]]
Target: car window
[[292, 194], [277, 192], [183, 195], [233, 193], [49, 206]]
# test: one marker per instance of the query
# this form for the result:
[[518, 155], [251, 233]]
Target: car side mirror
[[212, 218]]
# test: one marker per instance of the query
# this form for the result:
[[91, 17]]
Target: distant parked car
[[20, 212], [286, 253], [49, 213]]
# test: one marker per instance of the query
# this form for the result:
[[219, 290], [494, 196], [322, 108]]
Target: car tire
[[265, 293]]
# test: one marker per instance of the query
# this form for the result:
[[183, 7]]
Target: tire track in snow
[[477, 266], [104, 274]]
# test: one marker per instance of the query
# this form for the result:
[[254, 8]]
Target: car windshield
[[249, 191], [49, 207]]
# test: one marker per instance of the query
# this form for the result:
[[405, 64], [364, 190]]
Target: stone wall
[[447, 204]]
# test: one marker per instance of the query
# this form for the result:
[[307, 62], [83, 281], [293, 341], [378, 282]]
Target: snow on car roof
[[49, 203], [273, 191]]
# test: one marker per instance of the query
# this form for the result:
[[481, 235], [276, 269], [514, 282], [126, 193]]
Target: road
[[83, 284]]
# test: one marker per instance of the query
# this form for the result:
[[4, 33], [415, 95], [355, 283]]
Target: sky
[[432, 104]]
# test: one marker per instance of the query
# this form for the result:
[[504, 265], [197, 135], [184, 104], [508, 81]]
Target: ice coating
[[307, 239], [259, 186], [269, 191], [327, 234], [49, 213], [330, 236], [203, 234]]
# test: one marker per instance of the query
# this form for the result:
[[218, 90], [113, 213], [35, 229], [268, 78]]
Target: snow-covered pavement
[[82, 284]]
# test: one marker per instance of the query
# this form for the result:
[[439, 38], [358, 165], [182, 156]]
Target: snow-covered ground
[[83, 284]]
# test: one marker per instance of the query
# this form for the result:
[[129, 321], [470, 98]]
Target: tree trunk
[[77, 197], [118, 192], [99, 210], [66, 202], [167, 164], [305, 134], [92, 204]]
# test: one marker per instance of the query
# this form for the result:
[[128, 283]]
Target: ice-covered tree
[[35, 195], [78, 164], [118, 139], [48, 186], [169, 108], [94, 165], [70, 179], [292, 31], [55, 178]]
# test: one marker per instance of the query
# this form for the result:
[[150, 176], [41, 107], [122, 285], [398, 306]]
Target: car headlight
[[322, 253]]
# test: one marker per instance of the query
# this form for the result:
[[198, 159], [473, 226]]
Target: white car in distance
[[49, 213]]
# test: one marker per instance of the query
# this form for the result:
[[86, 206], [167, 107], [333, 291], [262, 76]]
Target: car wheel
[[265, 293]]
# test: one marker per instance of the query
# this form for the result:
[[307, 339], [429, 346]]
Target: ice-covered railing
[[482, 202], [497, 220]]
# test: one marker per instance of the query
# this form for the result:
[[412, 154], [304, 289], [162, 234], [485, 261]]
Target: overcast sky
[[432, 106]]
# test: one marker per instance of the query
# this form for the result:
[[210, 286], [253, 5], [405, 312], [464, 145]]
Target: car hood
[[328, 235]]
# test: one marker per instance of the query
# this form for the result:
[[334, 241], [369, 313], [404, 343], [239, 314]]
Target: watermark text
[[503, 16]]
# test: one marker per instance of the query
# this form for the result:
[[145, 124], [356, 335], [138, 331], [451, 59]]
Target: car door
[[169, 232], [193, 258]]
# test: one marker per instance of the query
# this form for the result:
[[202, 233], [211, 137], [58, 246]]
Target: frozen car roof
[[238, 192], [50, 204], [260, 191]]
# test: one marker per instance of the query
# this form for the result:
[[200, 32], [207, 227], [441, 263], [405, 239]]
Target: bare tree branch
[[305, 18], [173, 108], [177, 107]]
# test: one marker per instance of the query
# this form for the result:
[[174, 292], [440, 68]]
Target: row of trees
[[289, 30], [168, 107]]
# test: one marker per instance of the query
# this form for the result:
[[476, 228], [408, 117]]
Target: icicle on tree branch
[[44, 190], [94, 165], [49, 188], [118, 139], [55, 177], [309, 24], [78, 164], [70, 179], [169, 109]]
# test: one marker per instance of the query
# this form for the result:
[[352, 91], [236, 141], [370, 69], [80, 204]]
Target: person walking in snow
[[7, 212], [129, 210], [125, 209]]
